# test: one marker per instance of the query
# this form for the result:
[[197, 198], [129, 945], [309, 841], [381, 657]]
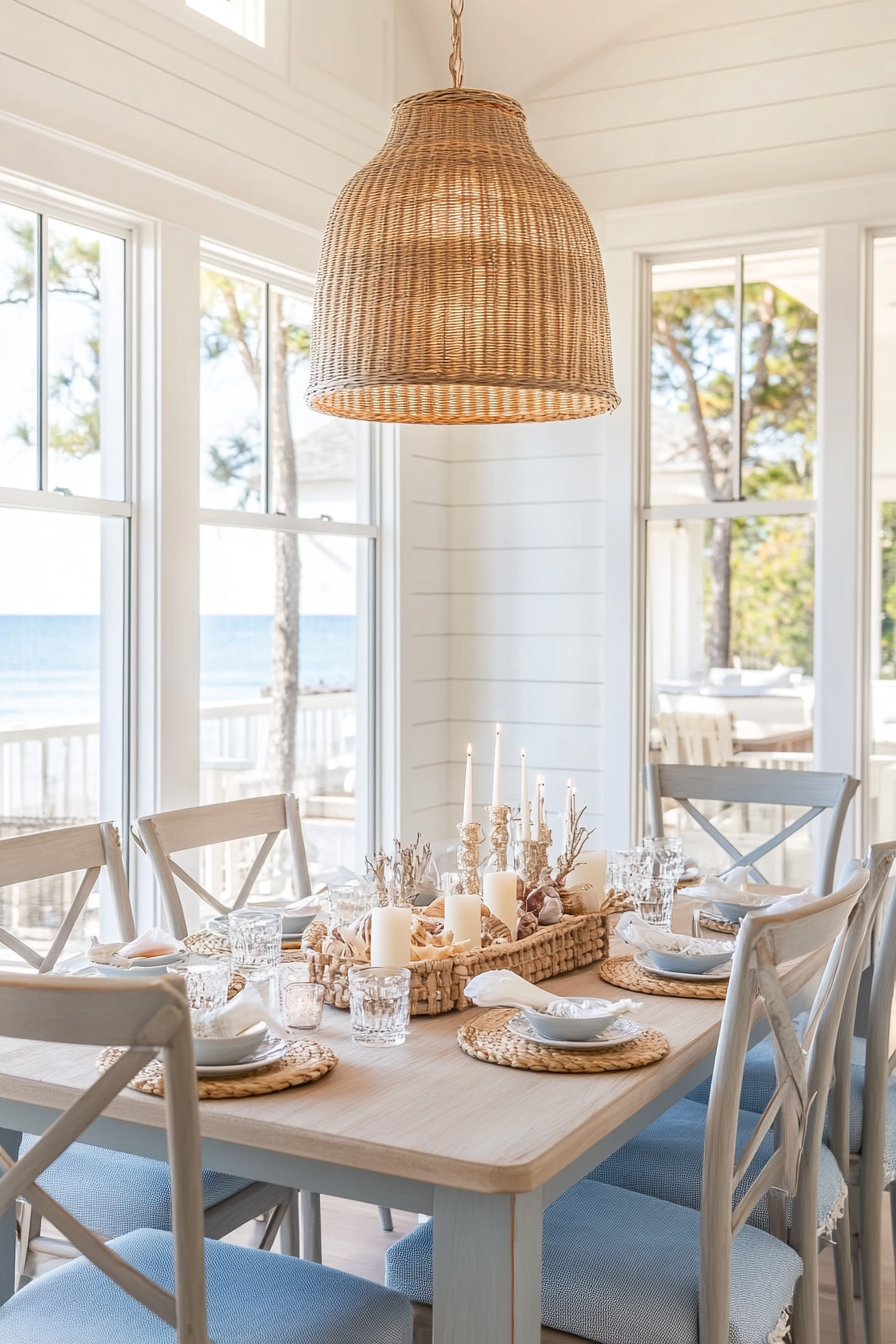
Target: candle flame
[[469, 748]]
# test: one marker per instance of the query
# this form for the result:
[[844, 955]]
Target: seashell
[[551, 911], [314, 935], [527, 924], [494, 931]]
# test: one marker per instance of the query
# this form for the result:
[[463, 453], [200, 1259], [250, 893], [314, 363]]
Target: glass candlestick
[[471, 838], [498, 837]]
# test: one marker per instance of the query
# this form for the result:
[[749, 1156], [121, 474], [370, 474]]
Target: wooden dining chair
[[619, 1264], [114, 1192], [168, 833], [735, 784], [122, 1289]]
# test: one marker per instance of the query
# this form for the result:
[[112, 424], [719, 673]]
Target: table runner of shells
[[624, 972], [303, 1062], [488, 1039]]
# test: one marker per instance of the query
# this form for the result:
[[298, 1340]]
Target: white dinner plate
[[267, 1053], [646, 962], [623, 1029]]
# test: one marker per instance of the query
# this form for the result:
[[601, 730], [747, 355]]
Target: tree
[[694, 334], [232, 318], [73, 268]]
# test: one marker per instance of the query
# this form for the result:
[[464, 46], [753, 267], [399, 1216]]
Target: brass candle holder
[[471, 838], [499, 836], [532, 857]]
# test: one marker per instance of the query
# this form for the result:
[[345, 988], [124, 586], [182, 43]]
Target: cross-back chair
[[863, 1108], [202, 1290], [620, 1264], [45, 854], [135, 1188], [168, 833], [815, 790]]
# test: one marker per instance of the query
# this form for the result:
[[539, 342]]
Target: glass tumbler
[[379, 999], [207, 980], [301, 1000], [653, 899], [255, 946]]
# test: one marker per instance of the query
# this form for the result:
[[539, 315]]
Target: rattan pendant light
[[460, 280]]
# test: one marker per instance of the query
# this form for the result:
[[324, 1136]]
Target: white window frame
[[302, 286], [117, 756]]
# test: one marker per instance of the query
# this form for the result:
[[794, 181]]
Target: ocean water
[[50, 665]]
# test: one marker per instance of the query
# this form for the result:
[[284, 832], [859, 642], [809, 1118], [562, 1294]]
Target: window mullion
[[42, 357], [265, 354], [737, 446]]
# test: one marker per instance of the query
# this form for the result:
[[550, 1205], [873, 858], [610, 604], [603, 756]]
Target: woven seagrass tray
[[303, 1062], [438, 986], [488, 1039], [623, 971], [716, 924]]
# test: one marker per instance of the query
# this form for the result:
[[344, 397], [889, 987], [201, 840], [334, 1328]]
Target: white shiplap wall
[[507, 601]]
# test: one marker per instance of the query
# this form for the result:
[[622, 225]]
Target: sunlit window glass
[[19, 449], [231, 392]]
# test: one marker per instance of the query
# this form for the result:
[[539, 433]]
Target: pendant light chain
[[456, 59]]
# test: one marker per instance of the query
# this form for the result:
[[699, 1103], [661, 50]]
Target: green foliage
[[73, 269], [773, 591], [888, 589], [232, 325]]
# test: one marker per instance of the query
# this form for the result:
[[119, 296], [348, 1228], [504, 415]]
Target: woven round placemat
[[716, 924], [209, 944], [304, 1062], [488, 1039], [623, 971]]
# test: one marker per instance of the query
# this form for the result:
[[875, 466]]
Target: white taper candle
[[496, 780], [468, 786], [524, 798]]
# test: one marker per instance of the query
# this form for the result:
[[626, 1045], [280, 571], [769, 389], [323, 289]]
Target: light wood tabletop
[[423, 1127]]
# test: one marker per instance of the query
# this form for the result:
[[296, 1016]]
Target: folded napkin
[[152, 943], [506, 989], [727, 888], [648, 938], [245, 1010]]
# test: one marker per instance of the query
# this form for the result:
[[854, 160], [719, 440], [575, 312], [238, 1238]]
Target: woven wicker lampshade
[[460, 280]]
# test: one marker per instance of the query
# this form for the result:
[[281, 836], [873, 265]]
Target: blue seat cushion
[[115, 1193], [254, 1297], [666, 1160], [759, 1084], [621, 1268]]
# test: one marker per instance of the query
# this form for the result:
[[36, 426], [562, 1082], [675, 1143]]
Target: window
[[286, 575], [730, 527], [881, 772], [245, 17], [64, 541]]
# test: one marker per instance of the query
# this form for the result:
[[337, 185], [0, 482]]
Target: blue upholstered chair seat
[[620, 1268], [115, 1193], [666, 1160], [759, 1083], [254, 1297]]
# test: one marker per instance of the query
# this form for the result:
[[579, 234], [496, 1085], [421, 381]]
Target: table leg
[[9, 1142], [486, 1267]]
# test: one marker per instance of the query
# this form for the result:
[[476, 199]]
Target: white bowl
[[145, 966], [228, 1049], [572, 1028], [698, 963], [735, 911]]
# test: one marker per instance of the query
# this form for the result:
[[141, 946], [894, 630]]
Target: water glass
[[255, 940], [626, 869], [301, 1001], [379, 999], [347, 903], [653, 899], [667, 851], [207, 980]]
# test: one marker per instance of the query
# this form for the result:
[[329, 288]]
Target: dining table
[[422, 1127]]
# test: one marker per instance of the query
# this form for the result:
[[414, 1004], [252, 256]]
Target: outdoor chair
[[812, 789], [619, 1264], [112, 1192], [139, 1287]]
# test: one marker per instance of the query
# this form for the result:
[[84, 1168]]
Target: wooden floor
[[354, 1241]]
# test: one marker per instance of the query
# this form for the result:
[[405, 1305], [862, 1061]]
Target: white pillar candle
[[463, 916], [500, 897], [468, 786], [496, 780], [592, 867], [390, 935], [524, 799]]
